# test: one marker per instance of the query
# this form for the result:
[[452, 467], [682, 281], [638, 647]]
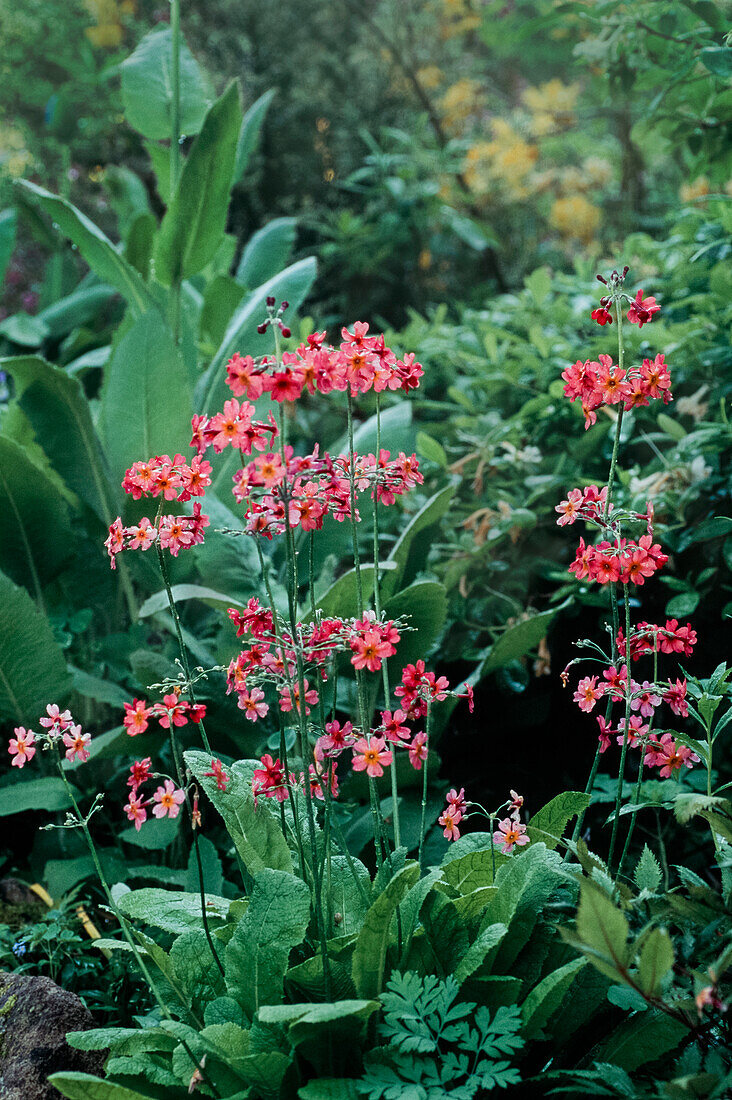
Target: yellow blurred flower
[[598, 171], [508, 159], [430, 76], [575, 217], [108, 32], [551, 105], [697, 189], [459, 102], [460, 18]]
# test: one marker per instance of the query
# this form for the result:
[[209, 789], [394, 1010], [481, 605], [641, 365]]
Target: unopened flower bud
[[286, 331], [270, 302], [261, 329], [285, 305], [600, 279]]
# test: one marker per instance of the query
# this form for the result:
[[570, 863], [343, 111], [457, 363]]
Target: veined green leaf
[[147, 87], [32, 666]]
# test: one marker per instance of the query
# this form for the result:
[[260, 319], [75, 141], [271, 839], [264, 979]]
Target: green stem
[[175, 142], [204, 915], [144, 970], [181, 643], [626, 730], [646, 738], [427, 728]]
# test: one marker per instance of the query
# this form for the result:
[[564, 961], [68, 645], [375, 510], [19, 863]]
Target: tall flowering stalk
[[622, 557]]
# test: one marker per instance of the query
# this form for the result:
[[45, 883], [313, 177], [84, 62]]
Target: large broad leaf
[[48, 793], [525, 884], [159, 601], [32, 667], [267, 252], [249, 134], [642, 1039], [82, 1086], [255, 830], [35, 534], [428, 514], [547, 997], [369, 957], [257, 954], [549, 823], [518, 640], [147, 87], [146, 402], [194, 223], [172, 910], [78, 308], [292, 285], [425, 605], [94, 246], [59, 412]]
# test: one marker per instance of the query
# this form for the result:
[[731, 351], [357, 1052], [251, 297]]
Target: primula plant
[[310, 972]]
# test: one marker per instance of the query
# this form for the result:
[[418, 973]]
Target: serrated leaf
[[257, 954], [194, 223], [147, 87], [603, 930], [255, 831], [94, 246], [655, 960], [549, 823], [647, 872], [32, 666]]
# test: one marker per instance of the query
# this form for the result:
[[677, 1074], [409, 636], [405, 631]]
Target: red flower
[[641, 311], [602, 316]]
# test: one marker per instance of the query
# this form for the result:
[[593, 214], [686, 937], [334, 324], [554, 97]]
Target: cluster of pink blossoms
[[173, 711], [271, 656], [359, 364], [173, 533], [58, 727], [167, 799], [511, 833], [302, 491], [626, 560], [644, 697], [602, 383]]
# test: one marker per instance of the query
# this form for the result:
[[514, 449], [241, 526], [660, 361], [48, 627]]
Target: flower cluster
[[173, 533], [360, 363], [626, 561], [166, 801], [269, 780], [58, 729], [511, 833], [173, 711], [171, 478], [602, 383]]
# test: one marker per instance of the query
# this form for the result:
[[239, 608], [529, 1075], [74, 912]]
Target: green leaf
[[82, 307], [35, 537], [547, 997], [424, 603], [429, 448], [539, 284], [140, 243], [94, 246], [249, 133], [369, 957], [341, 598], [83, 1086], [220, 299], [59, 412], [147, 87], [8, 228], [172, 910], [292, 285], [549, 823], [49, 792], [146, 403], [518, 640], [603, 931], [429, 514], [255, 831], [718, 59], [642, 1039], [257, 954], [684, 604], [195, 221], [32, 666], [267, 252], [483, 944], [213, 872], [655, 960], [160, 158], [21, 328], [670, 427], [330, 1088], [159, 601], [647, 872], [524, 886], [196, 971]]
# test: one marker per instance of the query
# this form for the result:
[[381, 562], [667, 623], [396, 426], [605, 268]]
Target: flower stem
[[646, 738], [626, 730], [423, 818]]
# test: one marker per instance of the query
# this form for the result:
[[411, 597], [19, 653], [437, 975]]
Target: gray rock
[[35, 1015]]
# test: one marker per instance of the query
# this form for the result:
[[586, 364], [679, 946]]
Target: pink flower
[[641, 311], [370, 650], [606, 730], [168, 800], [569, 509], [136, 715], [449, 820], [646, 701], [668, 756], [217, 772], [59, 720], [251, 703], [393, 727], [509, 834], [636, 731], [270, 780], [602, 316], [517, 801], [456, 800], [588, 693], [77, 744], [371, 755], [135, 810], [290, 700], [139, 773], [22, 747], [675, 696], [418, 751]]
